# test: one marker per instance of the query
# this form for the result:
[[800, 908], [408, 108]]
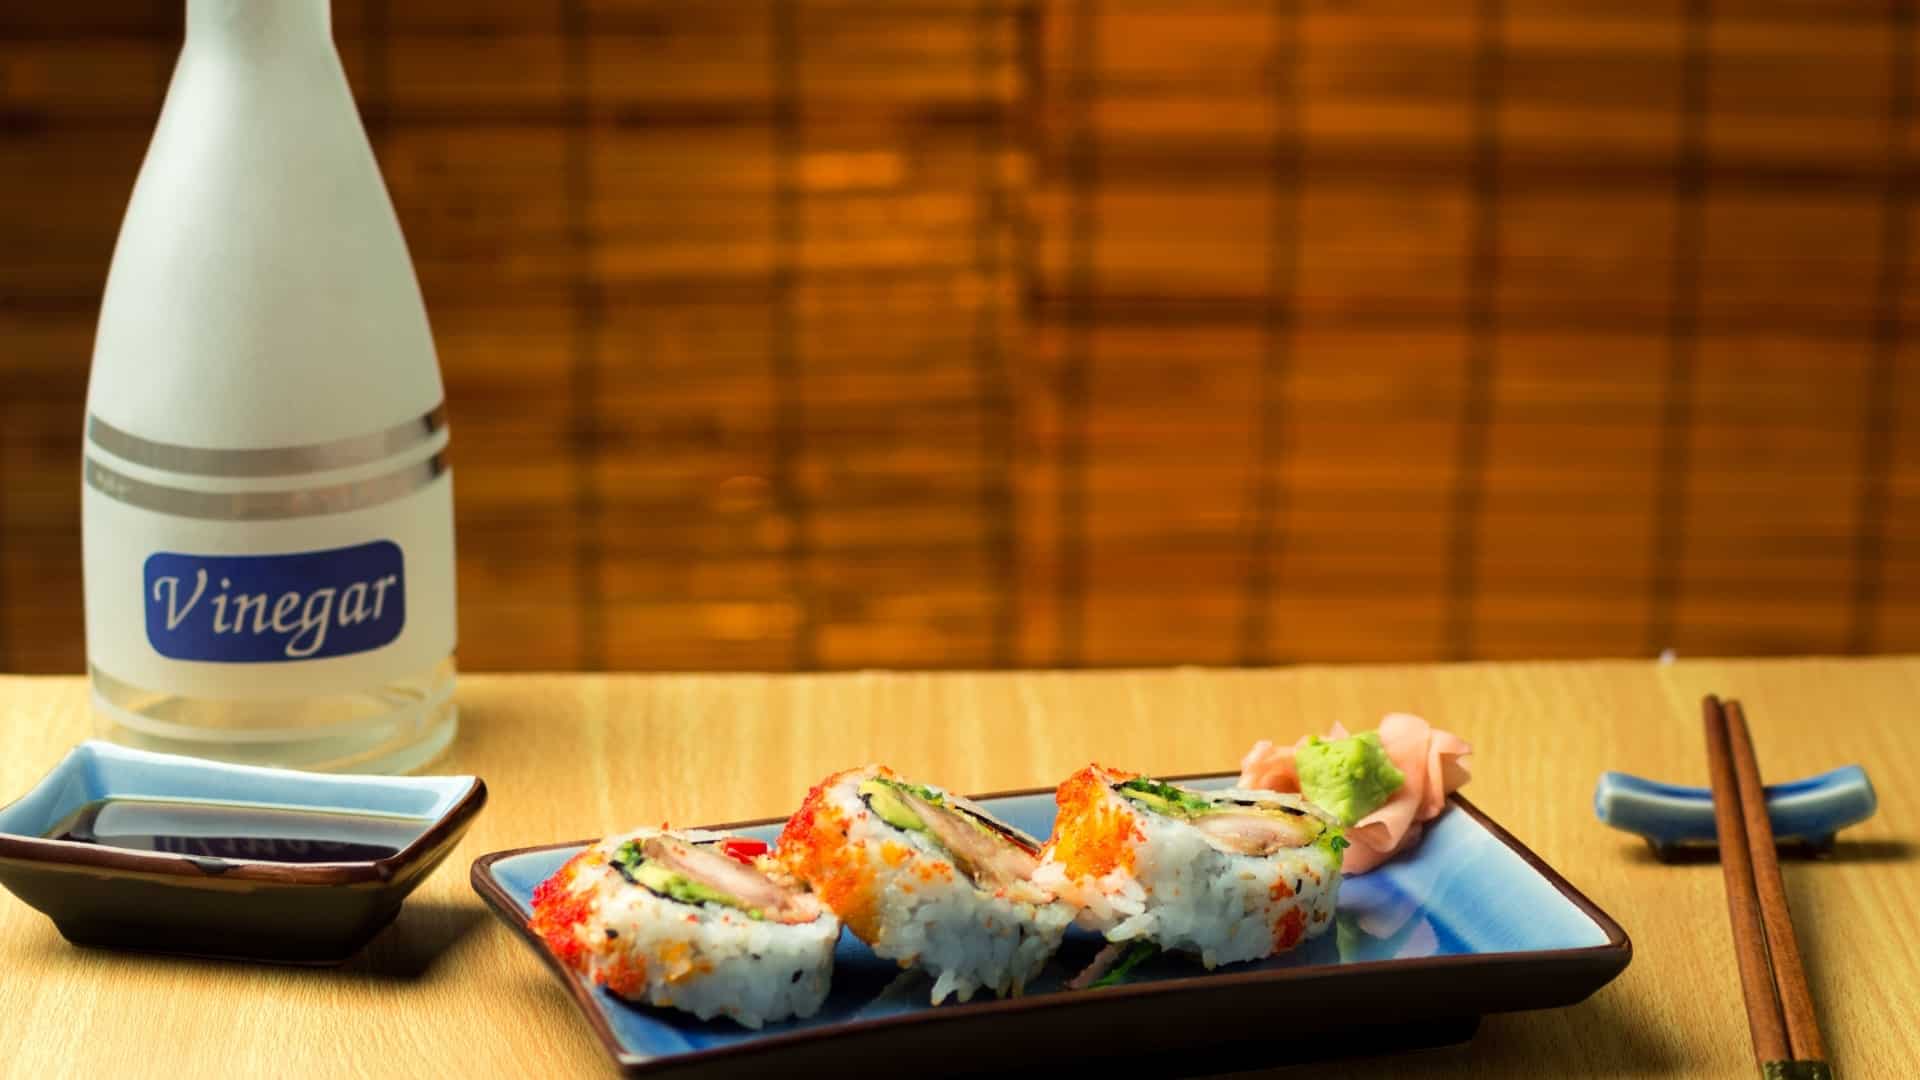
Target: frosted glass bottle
[[266, 508]]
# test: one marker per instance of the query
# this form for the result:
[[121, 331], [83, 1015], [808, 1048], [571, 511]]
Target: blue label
[[259, 609]]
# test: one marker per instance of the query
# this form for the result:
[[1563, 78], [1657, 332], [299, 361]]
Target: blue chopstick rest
[[1810, 810]]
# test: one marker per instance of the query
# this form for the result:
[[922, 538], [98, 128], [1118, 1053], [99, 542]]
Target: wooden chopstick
[[1764, 1018], [1786, 1037], [1789, 978]]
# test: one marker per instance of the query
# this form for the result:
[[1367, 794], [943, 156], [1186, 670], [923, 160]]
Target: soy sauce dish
[[126, 849]]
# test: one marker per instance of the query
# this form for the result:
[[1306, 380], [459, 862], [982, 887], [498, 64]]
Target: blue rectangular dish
[[1470, 922]]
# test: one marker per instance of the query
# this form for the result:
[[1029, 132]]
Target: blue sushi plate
[[1470, 922]]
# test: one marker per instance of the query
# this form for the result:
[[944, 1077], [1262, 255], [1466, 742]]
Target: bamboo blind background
[[829, 333]]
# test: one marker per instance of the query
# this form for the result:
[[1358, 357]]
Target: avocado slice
[[883, 800], [661, 881], [1156, 803], [679, 887], [1170, 801], [1165, 799]]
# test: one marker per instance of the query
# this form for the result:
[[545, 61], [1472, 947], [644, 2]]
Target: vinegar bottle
[[267, 512]]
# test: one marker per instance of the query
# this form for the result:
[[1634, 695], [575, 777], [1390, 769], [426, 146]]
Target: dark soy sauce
[[221, 831]]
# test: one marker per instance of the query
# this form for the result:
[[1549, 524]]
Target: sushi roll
[[695, 920], [927, 879], [1230, 875]]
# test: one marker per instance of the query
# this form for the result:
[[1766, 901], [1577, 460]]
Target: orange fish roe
[[558, 910], [625, 975], [1289, 929], [676, 961], [1091, 836], [802, 826], [893, 853], [929, 870], [814, 847]]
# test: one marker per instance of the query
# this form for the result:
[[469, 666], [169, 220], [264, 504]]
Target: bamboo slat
[[950, 333]]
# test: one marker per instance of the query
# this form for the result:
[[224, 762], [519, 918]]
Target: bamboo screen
[[796, 334]]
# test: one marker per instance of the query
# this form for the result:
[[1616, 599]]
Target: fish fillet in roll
[[1228, 875], [927, 879], [695, 920]]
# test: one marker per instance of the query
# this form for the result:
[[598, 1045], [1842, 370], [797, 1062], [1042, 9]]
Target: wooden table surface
[[448, 991]]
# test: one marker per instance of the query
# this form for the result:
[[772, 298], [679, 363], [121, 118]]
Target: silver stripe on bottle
[[276, 461], [264, 505]]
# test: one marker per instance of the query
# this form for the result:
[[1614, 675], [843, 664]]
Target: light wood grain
[[448, 991]]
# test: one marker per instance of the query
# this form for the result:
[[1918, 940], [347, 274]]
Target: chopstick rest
[[1671, 817]]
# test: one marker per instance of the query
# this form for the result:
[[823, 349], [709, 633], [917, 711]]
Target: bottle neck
[[260, 26]]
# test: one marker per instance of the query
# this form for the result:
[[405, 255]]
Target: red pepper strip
[[742, 850]]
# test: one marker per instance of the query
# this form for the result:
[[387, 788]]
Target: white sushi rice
[[707, 959], [1187, 894], [929, 914]]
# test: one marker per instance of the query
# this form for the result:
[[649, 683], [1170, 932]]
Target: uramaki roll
[[1229, 875], [927, 879], [695, 920]]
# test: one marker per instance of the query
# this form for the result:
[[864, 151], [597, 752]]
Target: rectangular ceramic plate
[[1469, 922]]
